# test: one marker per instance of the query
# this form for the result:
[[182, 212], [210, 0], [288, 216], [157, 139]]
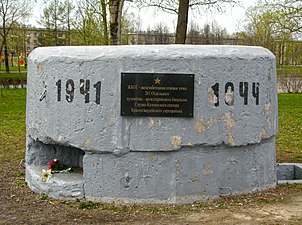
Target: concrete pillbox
[[224, 145]]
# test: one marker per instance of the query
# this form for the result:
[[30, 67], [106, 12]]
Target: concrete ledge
[[63, 185], [289, 173]]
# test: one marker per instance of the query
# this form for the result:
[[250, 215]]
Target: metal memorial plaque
[[157, 94]]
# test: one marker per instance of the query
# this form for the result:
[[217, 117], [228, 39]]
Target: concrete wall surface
[[226, 147]]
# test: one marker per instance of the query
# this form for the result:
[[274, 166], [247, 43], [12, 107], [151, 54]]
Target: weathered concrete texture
[[228, 147], [100, 128], [63, 185], [38, 154], [180, 177]]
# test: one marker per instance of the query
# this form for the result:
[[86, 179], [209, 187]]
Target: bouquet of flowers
[[54, 167]]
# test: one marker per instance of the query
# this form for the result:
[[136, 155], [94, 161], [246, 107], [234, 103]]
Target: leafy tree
[[99, 10], [293, 53], [261, 25], [92, 24], [265, 29], [17, 42], [283, 16], [52, 21], [11, 11], [289, 14], [89, 24], [67, 18]]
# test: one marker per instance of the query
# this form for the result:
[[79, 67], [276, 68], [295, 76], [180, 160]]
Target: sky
[[231, 19]]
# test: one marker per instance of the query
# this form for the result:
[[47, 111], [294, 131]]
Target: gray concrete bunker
[[152, 124]]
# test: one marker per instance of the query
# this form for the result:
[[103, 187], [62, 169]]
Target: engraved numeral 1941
[[84, 90]]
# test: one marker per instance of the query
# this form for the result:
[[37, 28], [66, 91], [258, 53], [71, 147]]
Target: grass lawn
[[13, 76], [289, 138], [12, 126], [289, 71], [288, 67], [12, 68]]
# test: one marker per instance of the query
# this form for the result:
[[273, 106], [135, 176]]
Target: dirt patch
[[19, 205]]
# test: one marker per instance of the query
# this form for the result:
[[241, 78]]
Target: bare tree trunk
[[24, 48], [182, 21], [6, 56], [104, 16], [19, 66], [68, 25], [115, 8]]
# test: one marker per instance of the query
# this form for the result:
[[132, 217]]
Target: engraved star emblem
[[157, 80]]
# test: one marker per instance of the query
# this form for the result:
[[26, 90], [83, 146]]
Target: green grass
[[289, 71], [289, 138], [12, 68], [12, 126], [286, 67], [13, 76]]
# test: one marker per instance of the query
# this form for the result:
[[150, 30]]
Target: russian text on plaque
[[157, 94]]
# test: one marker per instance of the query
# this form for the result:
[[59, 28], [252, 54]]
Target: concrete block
[[286, 171], [241, 79], [183, 176], [226, 147]]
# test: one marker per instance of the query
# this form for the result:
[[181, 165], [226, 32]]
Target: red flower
[[52, 162]]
